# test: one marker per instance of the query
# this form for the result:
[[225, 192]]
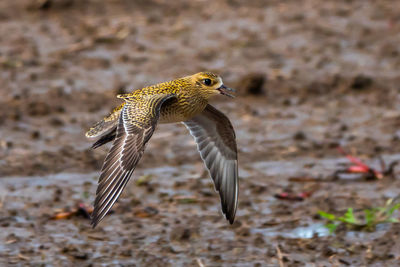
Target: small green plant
[[144, 180], [371, 218]]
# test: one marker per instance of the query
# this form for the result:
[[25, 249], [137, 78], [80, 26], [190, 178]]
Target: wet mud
[[310, 75]]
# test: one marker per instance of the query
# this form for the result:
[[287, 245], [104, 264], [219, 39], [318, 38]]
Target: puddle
[[316, 229]]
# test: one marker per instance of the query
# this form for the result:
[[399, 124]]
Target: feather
[[216, 143], [135, 127]]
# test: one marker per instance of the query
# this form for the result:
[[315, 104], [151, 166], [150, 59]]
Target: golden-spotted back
[[192, 94]]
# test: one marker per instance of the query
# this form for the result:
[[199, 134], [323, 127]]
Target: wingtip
[[230, 214], [94, 221], [231, 217], [95, 218]]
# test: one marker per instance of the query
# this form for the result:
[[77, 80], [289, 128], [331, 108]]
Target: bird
[[130, 126]]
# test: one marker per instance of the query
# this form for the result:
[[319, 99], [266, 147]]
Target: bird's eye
[[207, 82]]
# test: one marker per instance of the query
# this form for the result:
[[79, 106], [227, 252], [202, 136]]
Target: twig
[[200, 263], [23, 257], [360, 167], [280, 256]]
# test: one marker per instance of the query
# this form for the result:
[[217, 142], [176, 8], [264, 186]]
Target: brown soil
[[311, 75]]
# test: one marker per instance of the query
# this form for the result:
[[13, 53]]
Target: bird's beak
[[224, 90]]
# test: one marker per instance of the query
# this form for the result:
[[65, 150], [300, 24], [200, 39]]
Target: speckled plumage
[[132, 124]]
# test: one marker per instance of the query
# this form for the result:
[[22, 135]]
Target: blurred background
[[311, 76]]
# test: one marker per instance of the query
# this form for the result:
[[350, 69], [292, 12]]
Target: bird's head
[[210, 84]]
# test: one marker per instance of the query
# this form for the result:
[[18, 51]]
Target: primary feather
[[135, 127]]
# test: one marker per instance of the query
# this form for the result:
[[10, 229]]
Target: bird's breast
[[181, 110]]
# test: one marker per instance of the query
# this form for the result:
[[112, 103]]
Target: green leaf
[[326, 215], [186, 200], [144, 180], [370, 216], [392, 209], [348, 217], [331, 227]]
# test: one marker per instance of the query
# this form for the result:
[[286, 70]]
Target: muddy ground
[[311, 76]]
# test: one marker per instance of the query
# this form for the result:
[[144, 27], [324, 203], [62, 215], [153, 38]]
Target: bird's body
[[132, 124]]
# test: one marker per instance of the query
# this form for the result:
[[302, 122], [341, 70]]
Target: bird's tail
[[104, 139], [106, 127]]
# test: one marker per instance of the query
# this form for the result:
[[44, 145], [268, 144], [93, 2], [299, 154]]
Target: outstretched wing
[[216, 143], [135, 127]]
